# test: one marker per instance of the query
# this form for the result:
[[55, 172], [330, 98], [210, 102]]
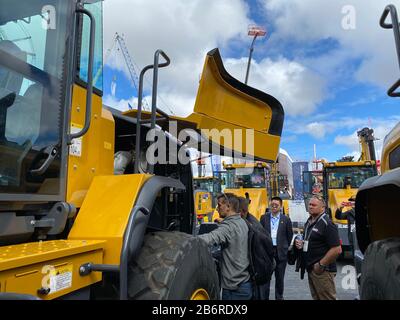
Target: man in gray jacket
[[232, 235]]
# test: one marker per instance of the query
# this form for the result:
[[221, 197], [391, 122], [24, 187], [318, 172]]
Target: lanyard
[[311, 225]]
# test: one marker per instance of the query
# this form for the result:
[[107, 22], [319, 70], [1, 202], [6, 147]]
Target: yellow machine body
[[27, 268], [105, 212], [205, 197], [391, 143], [223, 107], [285, 204], [203, 205], [93, 154], [105, 201], [336, 198]]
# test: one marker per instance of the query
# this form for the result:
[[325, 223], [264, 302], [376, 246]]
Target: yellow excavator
[[89, 209], [377, 208]]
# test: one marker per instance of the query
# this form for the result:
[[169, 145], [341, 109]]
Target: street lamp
[[254, 31]]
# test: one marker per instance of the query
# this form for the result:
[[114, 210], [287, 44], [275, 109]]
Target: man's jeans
[[243, 292]]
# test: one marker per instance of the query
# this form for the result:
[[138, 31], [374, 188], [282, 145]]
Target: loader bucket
[[249, 120]]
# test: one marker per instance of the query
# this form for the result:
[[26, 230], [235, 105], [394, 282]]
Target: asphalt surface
[[297, 289]]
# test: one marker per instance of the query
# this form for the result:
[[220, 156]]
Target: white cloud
[[310, 20], [350, 141], [119, 104], [317, 130], [381, 128], [184, 30], [320, 128], [297, 88]]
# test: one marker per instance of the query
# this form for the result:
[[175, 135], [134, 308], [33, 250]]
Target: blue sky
[[330, 73]]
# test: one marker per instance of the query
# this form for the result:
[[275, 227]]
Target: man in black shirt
[[321, 247]]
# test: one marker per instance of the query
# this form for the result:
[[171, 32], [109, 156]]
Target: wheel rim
[[200, 294]]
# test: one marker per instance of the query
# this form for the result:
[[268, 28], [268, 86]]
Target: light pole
[[254, 31]]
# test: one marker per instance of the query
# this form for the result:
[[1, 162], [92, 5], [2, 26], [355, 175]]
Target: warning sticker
[[75, 149], [61, 278]]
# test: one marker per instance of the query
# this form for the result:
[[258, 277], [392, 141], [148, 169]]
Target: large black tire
[[380, 273], [172, 265]]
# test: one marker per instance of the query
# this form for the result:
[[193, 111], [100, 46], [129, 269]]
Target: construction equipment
[[280, 187], [341, 180], [249, 180], [312, 185], [70, 227], [203, 196], [206, 190], [338, 183], [377, 210], [210, 183]]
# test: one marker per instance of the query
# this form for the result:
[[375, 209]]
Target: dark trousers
[[279, 279], [243, 292]]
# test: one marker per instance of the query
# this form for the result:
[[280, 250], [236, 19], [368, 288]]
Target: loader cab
[[33, 96], [40, 60], [339, 177], [43, 90]]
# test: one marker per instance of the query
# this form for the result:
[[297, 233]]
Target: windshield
[[313, 182], [338, 177], [204, 185], [246, 178], [33, 43]]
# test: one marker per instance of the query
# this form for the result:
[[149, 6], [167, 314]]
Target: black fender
[[137, 224], [377, 213]]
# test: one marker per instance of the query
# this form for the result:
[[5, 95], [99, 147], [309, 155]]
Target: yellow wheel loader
[[338, 183], [377, 207], [88, 210], [249, 180], [341, 181]]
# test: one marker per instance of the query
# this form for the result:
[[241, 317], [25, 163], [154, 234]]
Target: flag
[[129, 106]]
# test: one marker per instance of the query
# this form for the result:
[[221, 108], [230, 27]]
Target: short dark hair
[[243, 204], [232, 200], [277, 199]]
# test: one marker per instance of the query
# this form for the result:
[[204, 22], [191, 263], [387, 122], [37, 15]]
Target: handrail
[[396, 32], [89, 91], [154, 108]]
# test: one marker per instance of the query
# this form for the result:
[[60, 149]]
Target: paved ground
[[297, 289]]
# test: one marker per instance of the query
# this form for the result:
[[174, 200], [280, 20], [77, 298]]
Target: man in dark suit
[[280, 228]]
